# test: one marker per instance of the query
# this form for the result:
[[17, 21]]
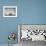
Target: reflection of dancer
[[12, 37]]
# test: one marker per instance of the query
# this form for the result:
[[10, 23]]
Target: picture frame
[[9, 11], [39, 28]]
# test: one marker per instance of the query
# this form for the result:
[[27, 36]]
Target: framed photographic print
[[9, 11], [33, 32]]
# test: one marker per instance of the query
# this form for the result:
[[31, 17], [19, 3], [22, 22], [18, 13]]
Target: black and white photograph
[[9, 11], [29, 34]]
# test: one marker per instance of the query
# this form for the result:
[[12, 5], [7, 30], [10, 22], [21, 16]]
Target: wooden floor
[[9, 45], [30, 43]]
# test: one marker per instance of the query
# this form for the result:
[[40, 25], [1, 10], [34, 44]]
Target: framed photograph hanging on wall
[[9, 11]]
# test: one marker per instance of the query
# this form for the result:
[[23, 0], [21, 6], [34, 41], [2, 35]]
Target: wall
[[7, 25], [29, 12]]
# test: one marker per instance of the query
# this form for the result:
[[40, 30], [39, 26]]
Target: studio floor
[[34, 43]]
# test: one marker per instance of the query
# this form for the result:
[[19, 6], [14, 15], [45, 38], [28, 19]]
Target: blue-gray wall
[[29, 12]]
